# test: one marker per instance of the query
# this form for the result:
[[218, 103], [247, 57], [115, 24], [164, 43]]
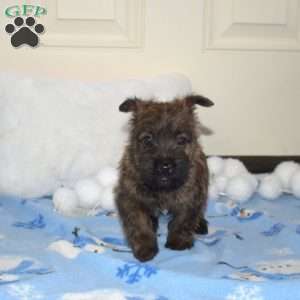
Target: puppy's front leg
[[181, 230], [140, 234], [140, 230]]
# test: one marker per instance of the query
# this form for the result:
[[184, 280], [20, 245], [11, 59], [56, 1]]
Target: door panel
[[243, 54]]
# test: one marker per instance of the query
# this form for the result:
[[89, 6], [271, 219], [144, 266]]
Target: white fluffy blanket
[[55, 132]]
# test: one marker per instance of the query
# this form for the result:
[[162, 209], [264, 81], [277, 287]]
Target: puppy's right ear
[[129, 105]]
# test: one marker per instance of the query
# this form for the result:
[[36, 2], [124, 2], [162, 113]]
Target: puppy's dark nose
[[165, 167]]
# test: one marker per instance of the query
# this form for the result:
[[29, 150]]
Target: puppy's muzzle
[[164, 167]]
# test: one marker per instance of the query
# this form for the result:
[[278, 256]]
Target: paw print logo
[[24, 32]]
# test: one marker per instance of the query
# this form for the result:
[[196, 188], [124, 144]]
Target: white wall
[[244, 55]]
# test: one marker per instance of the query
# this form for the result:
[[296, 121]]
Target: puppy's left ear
[[129, 105], [191, 100]]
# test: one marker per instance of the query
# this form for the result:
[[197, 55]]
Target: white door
[[243, 54]]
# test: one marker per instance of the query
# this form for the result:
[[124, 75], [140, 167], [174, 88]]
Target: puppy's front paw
[[145, 252], [179, 242]]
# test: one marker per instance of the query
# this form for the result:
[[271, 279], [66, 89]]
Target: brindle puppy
[[163, 168]]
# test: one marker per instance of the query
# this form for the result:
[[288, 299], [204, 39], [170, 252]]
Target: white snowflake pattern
[[24, 292], [246, 293], [107, 294], [96, 295], [281, 252]]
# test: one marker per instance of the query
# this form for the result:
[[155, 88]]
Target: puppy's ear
[[129, 105], [191, 100]]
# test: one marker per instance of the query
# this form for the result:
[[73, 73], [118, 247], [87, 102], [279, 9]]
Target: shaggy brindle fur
[[163, 168]]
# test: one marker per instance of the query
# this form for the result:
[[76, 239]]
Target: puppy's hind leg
[[202, 226]]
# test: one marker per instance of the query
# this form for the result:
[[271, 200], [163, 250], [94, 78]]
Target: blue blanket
[[252, 252]]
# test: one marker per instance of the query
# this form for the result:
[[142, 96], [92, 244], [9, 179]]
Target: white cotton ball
[[285, 171], [169, 86], [107, 176], [65, 201], [233, 167], [253, 180], [107, 199], [270, 187], [295, 184], [89, 193], [240, 188], [213, 192], [221, 183], [215, 165]]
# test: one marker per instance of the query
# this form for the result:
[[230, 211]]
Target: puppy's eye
[[147, 140], [182, 139]]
